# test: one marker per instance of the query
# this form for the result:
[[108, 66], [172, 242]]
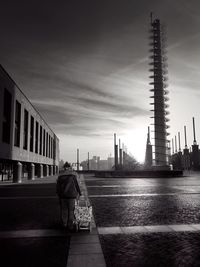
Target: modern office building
[[28, 146]]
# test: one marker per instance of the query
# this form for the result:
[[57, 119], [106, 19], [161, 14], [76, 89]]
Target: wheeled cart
[[83, 216]]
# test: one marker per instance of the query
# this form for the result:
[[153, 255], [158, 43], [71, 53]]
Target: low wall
[[87, 172]]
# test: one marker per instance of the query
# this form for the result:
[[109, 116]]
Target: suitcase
[[82, 216]]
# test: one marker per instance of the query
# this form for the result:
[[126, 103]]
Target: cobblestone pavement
[[153, 202], [150, 210], [133, 190], [157, 249]]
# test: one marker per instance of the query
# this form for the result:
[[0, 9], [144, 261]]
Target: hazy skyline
[[84, 66]]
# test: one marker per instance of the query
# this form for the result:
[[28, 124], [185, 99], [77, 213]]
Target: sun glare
[[135, 141]]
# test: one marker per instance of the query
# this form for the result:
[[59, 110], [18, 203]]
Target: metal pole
[[185, 136], [120, 154], [195, 142], [179, 141], [115, 152], [88, 161], [172, 146], [77, 160], [175, 145]]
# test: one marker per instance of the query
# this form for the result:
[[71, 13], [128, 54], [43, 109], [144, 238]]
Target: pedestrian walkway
[[85, 249]]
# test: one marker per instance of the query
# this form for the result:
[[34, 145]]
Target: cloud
[[84, 64], [79, 116]]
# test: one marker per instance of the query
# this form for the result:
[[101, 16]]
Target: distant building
[[97, 164], [110, 163], [103, 164], [28, 147], [61, 164]]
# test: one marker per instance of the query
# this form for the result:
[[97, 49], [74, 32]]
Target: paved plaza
[[138, 222], [146, 221]]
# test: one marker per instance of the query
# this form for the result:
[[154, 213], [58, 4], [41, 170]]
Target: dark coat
[[67, 186]]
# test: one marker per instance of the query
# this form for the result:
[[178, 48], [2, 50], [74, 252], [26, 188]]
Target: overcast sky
[[84, 66]]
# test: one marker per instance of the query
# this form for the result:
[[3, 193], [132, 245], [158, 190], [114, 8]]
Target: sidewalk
[[46, 179], [85, 249]]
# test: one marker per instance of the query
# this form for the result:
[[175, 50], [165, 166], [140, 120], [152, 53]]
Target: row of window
[[44, 143], [6, 116]]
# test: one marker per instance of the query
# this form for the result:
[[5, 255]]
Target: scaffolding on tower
[[159, 76]]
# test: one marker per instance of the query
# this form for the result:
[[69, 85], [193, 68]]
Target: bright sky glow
[[84, 65]]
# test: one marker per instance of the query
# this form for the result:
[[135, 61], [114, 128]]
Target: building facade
[[28, 147]]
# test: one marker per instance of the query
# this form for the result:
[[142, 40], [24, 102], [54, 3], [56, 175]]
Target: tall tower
[[77, 157], [180, 156], [186, 153], [120, 155], [195, 150], [115, 153], [159, 71]]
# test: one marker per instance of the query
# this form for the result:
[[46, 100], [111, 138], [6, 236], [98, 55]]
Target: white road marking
[[141, 195], [149, 229], [124, 186]]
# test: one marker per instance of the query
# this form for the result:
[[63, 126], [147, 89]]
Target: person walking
[[68, 191]]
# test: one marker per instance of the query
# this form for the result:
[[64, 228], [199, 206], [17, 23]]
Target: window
[[40, 140], [36, 136], [17, 123], [47, 145], [31, 133], [25, 141], [6, 116], [54, 148], [44, 142], [51, 147]]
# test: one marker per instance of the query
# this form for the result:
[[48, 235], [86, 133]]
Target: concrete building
[[28, 147]]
